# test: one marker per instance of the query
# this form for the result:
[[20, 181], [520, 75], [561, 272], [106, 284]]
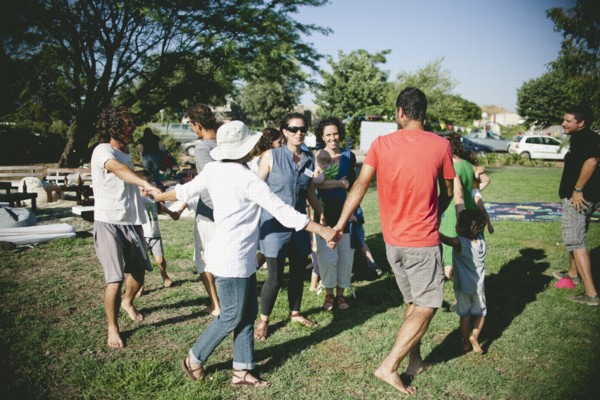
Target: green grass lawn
[[538, 344]]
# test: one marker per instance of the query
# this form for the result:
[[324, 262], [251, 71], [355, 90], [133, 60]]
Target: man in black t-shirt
[[580, 191]]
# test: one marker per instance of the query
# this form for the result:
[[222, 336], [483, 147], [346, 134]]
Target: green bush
[[508, 159]]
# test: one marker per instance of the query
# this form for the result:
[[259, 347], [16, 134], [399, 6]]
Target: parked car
[[469, 145], [477, 148], [495, 141], [538, 147], [181, 133], [189, 148]]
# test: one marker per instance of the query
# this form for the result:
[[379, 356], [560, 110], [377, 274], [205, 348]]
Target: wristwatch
[[577, 190]]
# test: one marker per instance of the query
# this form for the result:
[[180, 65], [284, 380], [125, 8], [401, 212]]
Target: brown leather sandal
[[191, 372], [328, 304], [300, 319], [341, 303], [261, 332], [243, 380]]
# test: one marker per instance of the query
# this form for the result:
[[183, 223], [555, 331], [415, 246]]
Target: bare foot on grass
[[476, 347], [394, 380], [166, 280], [114, 339], [413, 370], [133, 313]]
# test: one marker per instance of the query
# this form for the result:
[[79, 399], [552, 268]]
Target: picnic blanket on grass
[[534, 212]]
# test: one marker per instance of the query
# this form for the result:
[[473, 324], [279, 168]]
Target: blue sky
[[489, 47]]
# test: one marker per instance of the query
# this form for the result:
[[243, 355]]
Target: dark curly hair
[[582, 112], [471, 223], [269, 135], [112, 123], [458, 150], [325, 123], [203, 115]]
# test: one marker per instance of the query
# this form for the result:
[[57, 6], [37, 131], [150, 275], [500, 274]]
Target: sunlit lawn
[[538, 344]]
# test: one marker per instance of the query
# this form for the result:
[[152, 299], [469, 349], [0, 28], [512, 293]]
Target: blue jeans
[[239, 307]]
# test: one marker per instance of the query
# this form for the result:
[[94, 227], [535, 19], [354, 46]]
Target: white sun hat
[[234, 141]]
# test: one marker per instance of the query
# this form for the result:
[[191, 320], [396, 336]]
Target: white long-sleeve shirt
[[238, 195]]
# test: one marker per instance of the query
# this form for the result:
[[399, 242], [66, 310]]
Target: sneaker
[[564, 274], [585, 299]]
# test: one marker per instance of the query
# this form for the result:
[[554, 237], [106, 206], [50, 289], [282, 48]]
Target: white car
[[538, 147]]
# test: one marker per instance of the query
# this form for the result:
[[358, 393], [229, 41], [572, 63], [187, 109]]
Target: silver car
[[495, 141]]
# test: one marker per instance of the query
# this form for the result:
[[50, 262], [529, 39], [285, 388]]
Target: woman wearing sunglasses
[[288, 171]]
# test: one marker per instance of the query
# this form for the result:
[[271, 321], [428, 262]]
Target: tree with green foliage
[[354, 86], [574, 77], [147, 54], [442, 104]]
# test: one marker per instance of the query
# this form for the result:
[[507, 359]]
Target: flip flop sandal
[[302, 320], [242, 381], [190, 372]]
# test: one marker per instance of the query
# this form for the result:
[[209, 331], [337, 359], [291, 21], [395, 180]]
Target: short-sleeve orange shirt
[[407, 163]]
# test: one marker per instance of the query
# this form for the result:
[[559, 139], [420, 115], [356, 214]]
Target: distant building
[[309, 111], [497, 115]]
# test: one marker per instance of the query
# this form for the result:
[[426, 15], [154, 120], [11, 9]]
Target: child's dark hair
[[471, 223], [144, 174]]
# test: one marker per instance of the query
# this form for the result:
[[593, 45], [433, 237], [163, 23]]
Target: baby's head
[[323, 160], [470, 223]]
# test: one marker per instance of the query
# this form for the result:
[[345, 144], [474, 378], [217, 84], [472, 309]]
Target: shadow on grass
[[379, 296], [507, 294], [595, 261]]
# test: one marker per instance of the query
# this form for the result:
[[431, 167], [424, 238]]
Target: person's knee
[[113, 289], [160, 260]]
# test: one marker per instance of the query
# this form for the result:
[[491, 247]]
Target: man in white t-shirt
[[118, 217]]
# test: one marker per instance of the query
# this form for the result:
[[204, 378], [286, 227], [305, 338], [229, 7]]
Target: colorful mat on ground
[[535, 212]]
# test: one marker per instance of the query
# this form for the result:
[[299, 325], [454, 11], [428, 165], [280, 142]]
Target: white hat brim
[[235, 151]]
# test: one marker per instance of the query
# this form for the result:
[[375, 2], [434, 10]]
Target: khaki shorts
[[203, 233], [155, 246], [419, 274], [120, 249], [575, 224]]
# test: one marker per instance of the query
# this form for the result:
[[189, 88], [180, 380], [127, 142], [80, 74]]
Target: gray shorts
[[155, 246], [419, 274], [470, 305], [120, 249], [575, 224]]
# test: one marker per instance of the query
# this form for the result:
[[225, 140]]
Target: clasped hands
[[332, 235], [151, 191]]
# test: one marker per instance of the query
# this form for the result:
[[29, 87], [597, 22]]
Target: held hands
[[151, 192], [339, 232], [326, 233]]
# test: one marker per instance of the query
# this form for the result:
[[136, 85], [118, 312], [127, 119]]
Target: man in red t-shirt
[[409, 163]]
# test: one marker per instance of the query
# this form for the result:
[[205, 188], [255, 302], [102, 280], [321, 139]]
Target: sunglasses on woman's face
[[295, 129]]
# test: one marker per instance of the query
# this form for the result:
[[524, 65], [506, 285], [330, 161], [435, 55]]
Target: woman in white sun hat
[[238, 195]]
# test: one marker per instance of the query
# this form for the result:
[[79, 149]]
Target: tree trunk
[[76, 150]]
